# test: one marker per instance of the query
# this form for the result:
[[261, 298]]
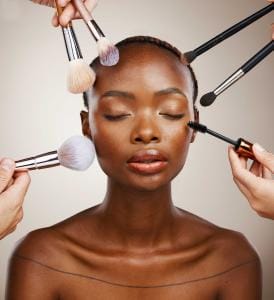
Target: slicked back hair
[[148, 40]]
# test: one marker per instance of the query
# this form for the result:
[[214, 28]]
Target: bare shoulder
[[224, 243], [51, 246]]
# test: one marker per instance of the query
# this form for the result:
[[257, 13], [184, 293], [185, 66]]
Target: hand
[[13, 188], [256, 183], [69, 11], [273, 23]]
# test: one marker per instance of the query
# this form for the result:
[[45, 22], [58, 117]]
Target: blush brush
[[241, 146], [108, 53], [210, 97], [190, 56], [76, 153], [80, 76]]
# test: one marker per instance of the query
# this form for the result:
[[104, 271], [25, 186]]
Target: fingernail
[[258, 147], [7, 164]]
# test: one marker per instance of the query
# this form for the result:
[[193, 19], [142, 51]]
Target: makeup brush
[[80, 76], [188, 57], [241, 146], [76, 153], [210, 97], [108, 53]]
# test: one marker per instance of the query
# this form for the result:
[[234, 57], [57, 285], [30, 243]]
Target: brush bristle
[[197, 126], [208, 99], [108, 53], [76, 153], [188, 57], [80, 76]]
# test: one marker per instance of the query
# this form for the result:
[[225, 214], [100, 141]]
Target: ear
[[85, 124], [196, 119]]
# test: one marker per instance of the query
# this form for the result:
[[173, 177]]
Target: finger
[[243, 189], [10, 183], [6, 171], [264, 157], [55, 21], [243, 161], [256, 169], [266, 173], [245, 177], [67, 15], [19, 189]]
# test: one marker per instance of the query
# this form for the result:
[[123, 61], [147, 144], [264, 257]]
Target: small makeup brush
[[188, 57], [76, 153], [210, 97], [241, 146], [80, 76], [108, 53]]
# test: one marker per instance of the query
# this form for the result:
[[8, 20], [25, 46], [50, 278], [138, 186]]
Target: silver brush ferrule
[[72, 45], [226, 84], [42, 161], [95, 30]]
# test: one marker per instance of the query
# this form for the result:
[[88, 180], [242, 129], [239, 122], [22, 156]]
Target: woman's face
[[138, 117]]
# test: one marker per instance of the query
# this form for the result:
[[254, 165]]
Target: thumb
[[264, 157], [6, 171]]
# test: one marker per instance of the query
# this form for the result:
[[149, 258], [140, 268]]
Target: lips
[[147, 162]]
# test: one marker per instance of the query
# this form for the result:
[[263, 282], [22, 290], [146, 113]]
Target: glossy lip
[[147, 162]]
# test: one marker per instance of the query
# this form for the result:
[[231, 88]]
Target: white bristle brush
[[108, 53], [76, 153], [80, 76]]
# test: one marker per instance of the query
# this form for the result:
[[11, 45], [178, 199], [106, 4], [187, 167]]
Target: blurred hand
[[272, 23], [69, 11], [256, 183], [13, 187]]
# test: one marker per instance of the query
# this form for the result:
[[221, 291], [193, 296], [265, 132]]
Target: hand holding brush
[[69, 12]]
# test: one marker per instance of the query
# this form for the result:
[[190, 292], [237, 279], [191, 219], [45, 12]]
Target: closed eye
[[172, 116], [116, 117]]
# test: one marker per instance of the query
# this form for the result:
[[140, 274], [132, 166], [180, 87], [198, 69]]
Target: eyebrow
[[169, 91], [120, 94], [128, 95]]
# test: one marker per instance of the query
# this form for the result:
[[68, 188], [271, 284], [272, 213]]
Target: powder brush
[[76, 153], [80, 76], [190, 56], [210, 97], [108, 53], [241, 146]]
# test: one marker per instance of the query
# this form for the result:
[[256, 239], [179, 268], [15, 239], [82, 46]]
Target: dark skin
[[136, 244]]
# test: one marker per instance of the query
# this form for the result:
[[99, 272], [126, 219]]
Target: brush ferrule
[[231, 80], [72, 46], [95, 30], [42, 161]]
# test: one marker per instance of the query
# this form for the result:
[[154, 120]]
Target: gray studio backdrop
[[37, 113]]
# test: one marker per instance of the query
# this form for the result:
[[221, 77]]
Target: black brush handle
[[258, 57], [232, 30]]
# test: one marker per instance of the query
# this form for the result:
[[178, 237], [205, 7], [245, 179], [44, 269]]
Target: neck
[[137, 219]]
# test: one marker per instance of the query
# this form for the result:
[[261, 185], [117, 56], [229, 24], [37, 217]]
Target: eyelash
[[173, 117], [121, 117], [115, 118]]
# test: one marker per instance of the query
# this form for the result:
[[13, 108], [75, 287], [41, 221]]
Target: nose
[[145, 131]]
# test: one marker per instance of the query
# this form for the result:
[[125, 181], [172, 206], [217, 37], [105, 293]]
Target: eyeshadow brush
[[190, 56], [241, 146], [210, 97], [108, 53]]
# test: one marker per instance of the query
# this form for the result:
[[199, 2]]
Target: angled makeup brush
[[80, 76], [188, 57], [241, 146], [76, 153], [210, 97], [108, 53]]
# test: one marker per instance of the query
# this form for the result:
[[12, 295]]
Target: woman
[[136, 243]]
